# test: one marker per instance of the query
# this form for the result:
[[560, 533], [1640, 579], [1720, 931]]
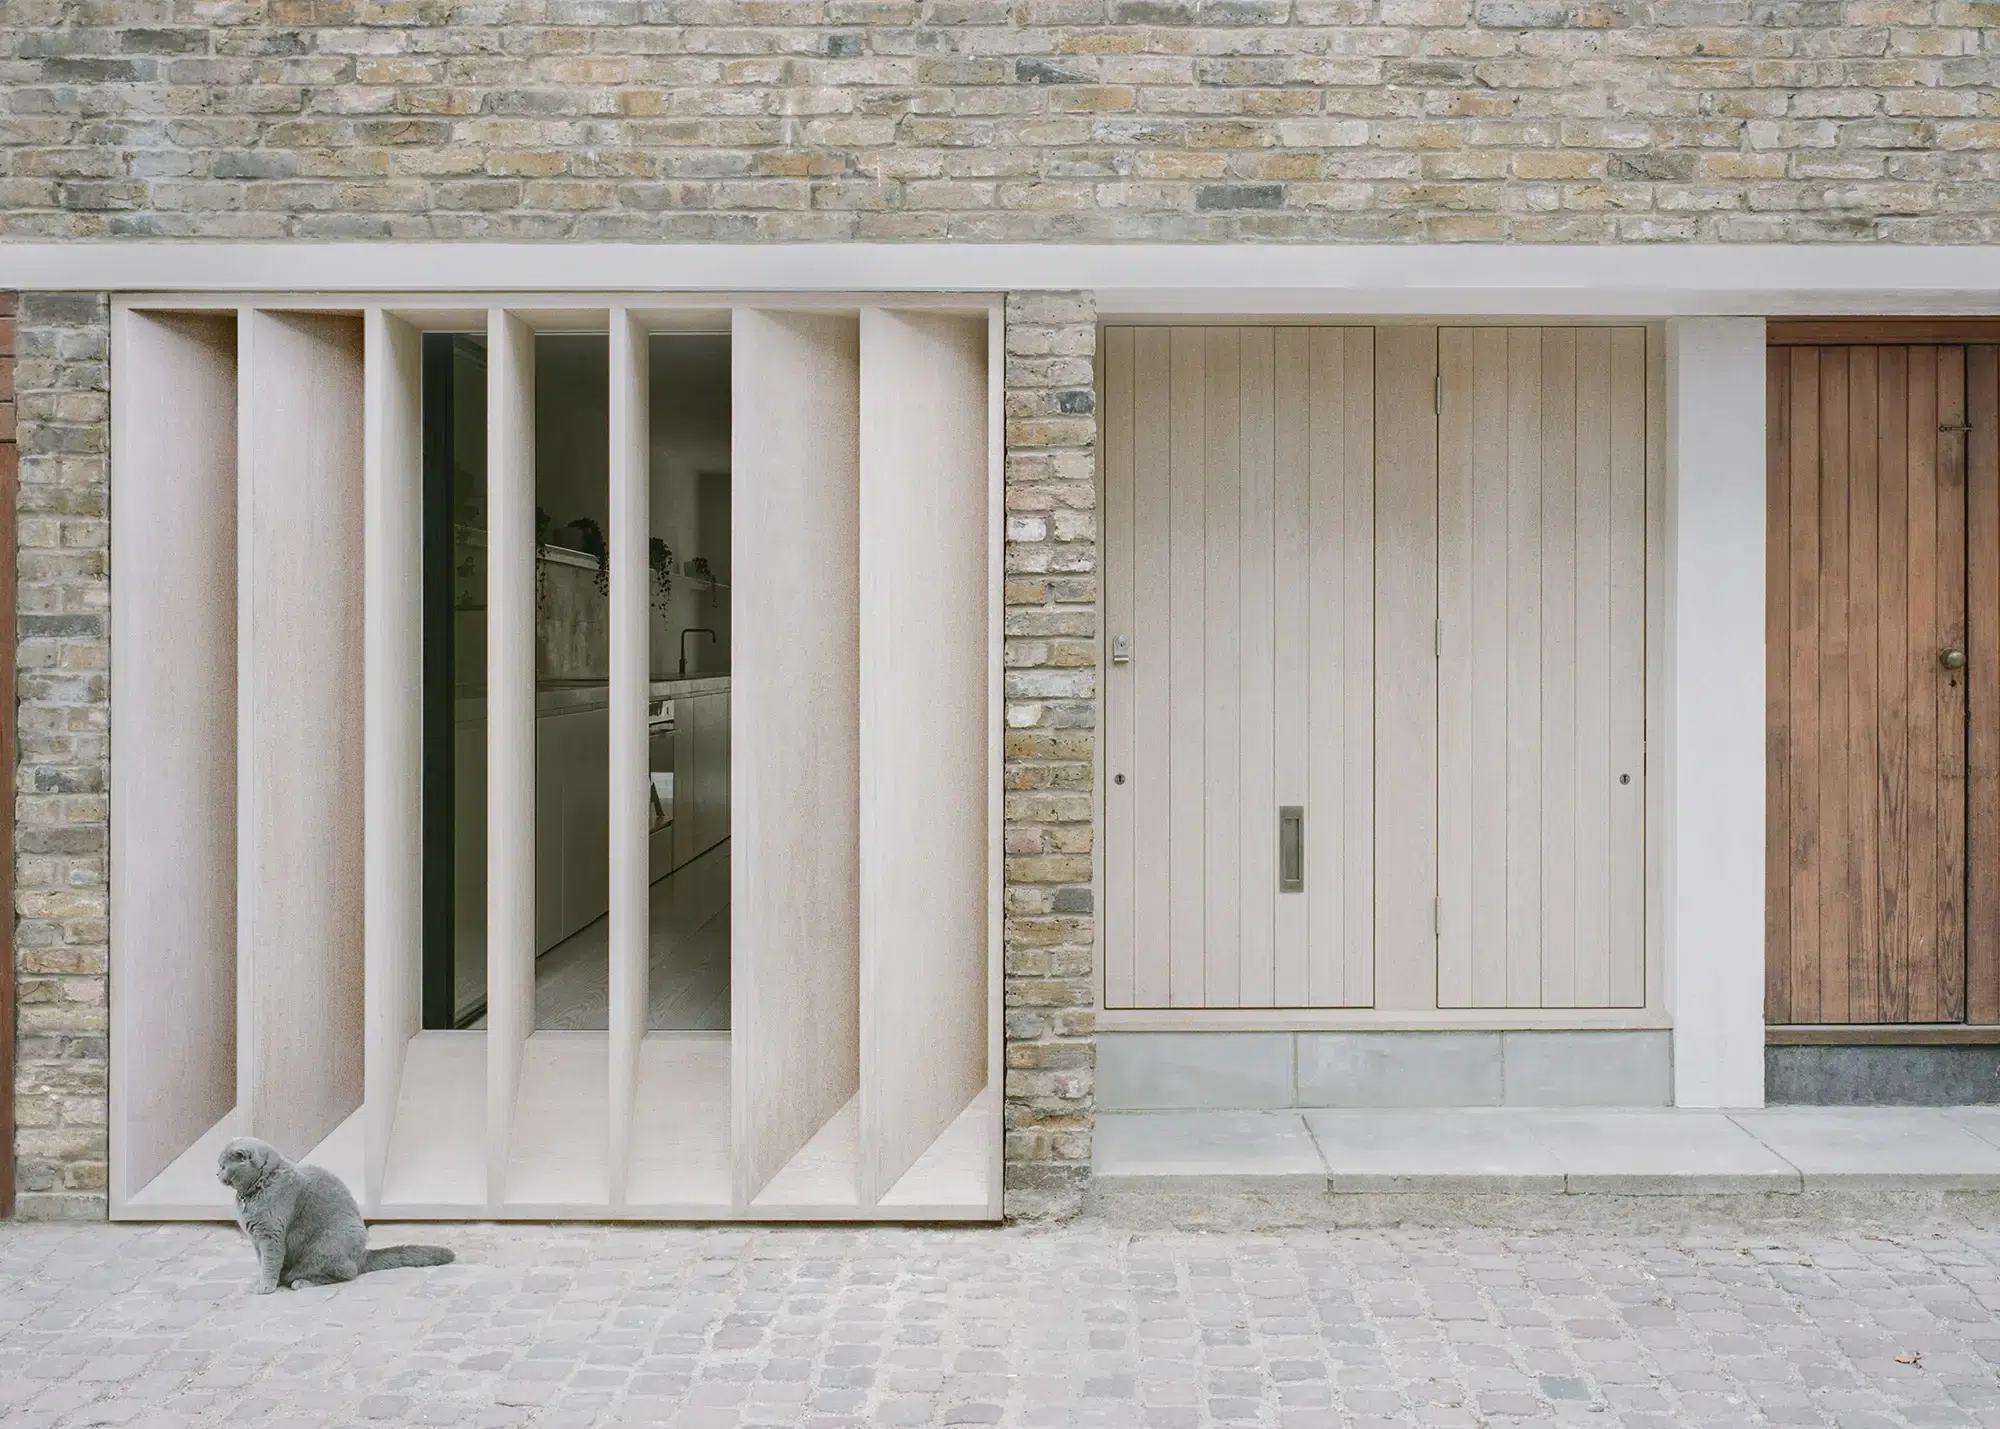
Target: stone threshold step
[[1506, 1149]]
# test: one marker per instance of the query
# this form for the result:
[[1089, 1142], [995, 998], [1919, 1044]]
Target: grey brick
[[1136, 120], [60, 955]]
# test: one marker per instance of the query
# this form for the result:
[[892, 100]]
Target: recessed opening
[[491, 673], [687, 715]]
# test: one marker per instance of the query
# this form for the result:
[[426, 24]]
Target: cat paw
[[266, 1289]]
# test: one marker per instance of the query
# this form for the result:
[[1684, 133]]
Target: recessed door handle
[[1952, 659], [1292, 849]]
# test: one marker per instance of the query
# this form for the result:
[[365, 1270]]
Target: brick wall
[[1051, 720], [1377, 120], [10, 471], [60, 829]]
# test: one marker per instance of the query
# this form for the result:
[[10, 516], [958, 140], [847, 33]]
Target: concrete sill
[[1572, 1152]]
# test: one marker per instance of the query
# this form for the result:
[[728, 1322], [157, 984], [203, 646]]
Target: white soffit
[[1130, 280]]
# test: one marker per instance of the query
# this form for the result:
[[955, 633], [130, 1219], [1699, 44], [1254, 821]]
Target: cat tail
[[395, 1257]]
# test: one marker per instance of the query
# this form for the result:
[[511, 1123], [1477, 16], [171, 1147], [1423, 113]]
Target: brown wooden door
[[1884, 540]]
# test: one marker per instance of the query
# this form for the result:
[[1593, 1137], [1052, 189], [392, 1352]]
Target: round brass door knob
[[1952, 659]]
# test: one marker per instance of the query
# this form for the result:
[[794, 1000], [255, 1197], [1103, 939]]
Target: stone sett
[[1088, 1323]]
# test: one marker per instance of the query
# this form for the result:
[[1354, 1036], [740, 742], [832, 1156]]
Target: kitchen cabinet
[[661, 763], [573, 810], [572, 814], [701, 781], [468, 863], [573, 806]]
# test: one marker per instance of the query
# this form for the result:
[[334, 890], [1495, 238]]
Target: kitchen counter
[[689, 684], [563, 696], [687, 742]]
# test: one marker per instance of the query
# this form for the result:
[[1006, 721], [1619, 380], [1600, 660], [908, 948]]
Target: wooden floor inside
[[688, 970]]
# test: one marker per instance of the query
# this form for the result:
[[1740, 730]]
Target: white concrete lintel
[[1629, 280]]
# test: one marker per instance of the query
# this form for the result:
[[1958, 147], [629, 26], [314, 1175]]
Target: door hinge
[[1437, 917], [1437, 639], [1437, 393]]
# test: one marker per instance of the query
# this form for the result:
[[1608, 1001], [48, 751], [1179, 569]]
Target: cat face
[[244, 1162]]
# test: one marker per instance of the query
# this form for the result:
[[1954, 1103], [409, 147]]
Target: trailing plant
[[541, 560], [466, 593], [660, 557], [700, 570], [591, 535]]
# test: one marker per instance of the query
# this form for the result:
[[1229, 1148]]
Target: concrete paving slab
[[1471, 1149], [1982, 1121], [1629, 1151], [1877, 1148], [1207, 1150], [1659, 1153]]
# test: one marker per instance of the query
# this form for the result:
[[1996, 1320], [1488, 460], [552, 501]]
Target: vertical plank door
[[1240, 626], [1541, 665], [1982, 785], [1405, 830], [1870, 674]]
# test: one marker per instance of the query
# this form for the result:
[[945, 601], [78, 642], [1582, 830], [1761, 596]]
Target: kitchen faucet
[[693, 630]]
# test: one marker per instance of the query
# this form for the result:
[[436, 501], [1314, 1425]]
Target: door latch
[[1121, 650]]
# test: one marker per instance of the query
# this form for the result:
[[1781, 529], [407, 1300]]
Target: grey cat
[[304, 1222]]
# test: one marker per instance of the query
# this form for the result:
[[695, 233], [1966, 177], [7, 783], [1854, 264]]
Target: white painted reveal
[[1713, 755]]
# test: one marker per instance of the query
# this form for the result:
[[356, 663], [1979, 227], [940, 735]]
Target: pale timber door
[[1375, 694], [1239, 501], [1541, 664], [1883, 684]]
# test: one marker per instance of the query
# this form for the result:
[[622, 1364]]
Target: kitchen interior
[[688, 704]]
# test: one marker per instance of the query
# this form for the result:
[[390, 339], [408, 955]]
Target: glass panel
[[572, 688], [688, 713], [454, 681]]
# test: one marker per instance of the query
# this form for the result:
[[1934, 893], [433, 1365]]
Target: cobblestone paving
[[1082, 1325]]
